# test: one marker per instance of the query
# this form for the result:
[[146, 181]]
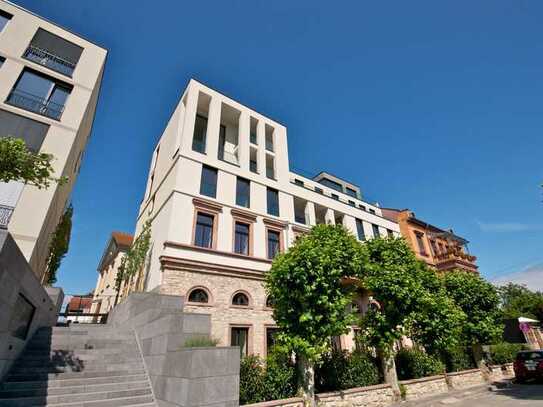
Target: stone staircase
[[82, 365]]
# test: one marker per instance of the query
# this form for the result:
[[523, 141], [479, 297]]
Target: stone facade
[[419, 388], [292, 402], [466, 378], [370, 396]]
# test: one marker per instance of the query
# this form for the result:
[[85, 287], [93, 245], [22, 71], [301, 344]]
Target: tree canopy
[[518, 301], [18, 163]]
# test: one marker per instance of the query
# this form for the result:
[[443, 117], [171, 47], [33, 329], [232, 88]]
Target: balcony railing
[[52, 61], [5, 215], [35, 104], [455, 254]]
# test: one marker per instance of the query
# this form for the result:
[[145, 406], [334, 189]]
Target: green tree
[[480, 302], [18, 163], [518, 301], [411, 301], [310, 300], [134, 259], [59, 245]]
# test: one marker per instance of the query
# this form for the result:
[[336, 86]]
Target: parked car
[[528, 365]]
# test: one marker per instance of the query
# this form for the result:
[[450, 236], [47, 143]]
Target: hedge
[[504, 352], [415, 363]]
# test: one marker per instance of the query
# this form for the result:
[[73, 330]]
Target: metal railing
[[73, 317], [5, 215], [35, 104], [50, 60]]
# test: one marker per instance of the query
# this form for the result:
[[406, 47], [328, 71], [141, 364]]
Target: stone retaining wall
[[466, 378], [372, 396], [508, 370], [292, 402], [418, 388]]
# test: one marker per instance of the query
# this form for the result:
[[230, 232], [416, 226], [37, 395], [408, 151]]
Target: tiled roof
[[122, 239]]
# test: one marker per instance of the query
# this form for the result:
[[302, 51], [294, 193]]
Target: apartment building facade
[[49, 85], [223, 202], [105, 293], [441, 249]]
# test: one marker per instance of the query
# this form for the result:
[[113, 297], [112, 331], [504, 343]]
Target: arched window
[[269, 302], [199, 295], [240, 299]]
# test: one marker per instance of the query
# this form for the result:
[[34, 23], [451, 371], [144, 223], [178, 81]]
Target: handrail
[[36, 104], [49, 59]]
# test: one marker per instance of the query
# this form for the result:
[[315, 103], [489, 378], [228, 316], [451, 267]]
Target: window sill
[[241, 306], [199, 304]]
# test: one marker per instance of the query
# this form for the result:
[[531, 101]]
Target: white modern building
[[223, 202], [49, 85]]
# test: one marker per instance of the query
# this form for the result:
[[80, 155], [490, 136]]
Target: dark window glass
[[243, 192], [4, 18], [389, 233], [372, 211], [240, 337], [31, 131], [299, 214], [253, 138], [241, 240], [318, 190], [299, 182], [222, 141], [271, 338], [39, 94], [362, 207], [420, 243], [208, 183], [273, 243], [375, 229], [334, 196], [331, 184], [269, 142], [199, 295], [203, 236], [352, 203], [360, 230], [199, 137], [269, 302], [240, 299], [54, 52], [253, 166], [272, 199], [2, 60], [351, 192]]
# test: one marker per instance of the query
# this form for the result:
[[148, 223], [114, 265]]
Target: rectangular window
[[4, 18], [362, 207], [241, 238], [360, 230], [208, 182], [240, 337], [32, 132], [271, 339], [253, 166], [375, 230], [299, 182], [243, 192], [272, 200], [199, 137], [351, 192], [420, 243], [372, 211], [352, 203], [203, 236], [335, 197], [274, 241], [253, 138], [54, 52], [39, 94], [331, 184], [319, 190], [389, 233]]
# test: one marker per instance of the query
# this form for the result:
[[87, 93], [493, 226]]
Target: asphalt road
[[530, 395]]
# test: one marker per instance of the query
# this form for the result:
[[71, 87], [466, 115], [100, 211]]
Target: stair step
[[78, 367], [58, 383], [140, 401], [106, 352], [105, 396], [71, 375], [86, 388], [86, 360], [91, 344]]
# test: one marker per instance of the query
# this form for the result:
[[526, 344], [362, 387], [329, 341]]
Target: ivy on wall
[[59, 245]]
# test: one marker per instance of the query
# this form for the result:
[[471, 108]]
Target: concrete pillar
[[329, 217], [350, 224], [213, 126], [189, 119], [261, 154], [244, 129], [310, 216], [180, 124]]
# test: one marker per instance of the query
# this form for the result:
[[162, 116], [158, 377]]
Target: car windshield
[[530, 355]]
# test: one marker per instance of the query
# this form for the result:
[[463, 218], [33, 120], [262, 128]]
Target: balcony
[[51, 61], [455, 258], [5, 215], [35, 104]]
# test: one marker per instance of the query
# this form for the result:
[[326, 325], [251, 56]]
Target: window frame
[[375, 230], [7, 16], [249, 238], [199, 214], [209, 302], [203, 151], [246, 294], [210, 209], [249, 343], [360, 229], [268, 211], [239, 216], [280, 241], [206, 167], [241, 180]]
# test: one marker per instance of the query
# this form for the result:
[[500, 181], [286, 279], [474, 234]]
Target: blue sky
[[434, 106]]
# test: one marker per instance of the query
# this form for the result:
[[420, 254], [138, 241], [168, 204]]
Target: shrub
[[274, 380], [200, 342], [341, 370], [458, 359], [504, 352], [415, 363]]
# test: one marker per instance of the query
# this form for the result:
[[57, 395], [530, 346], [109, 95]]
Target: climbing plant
[[59, 245]]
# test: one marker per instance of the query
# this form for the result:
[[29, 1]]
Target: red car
[[528, 365]]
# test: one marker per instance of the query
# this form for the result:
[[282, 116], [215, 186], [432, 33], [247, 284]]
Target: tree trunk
[[482, 364], [388, 364], [307, 375]]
